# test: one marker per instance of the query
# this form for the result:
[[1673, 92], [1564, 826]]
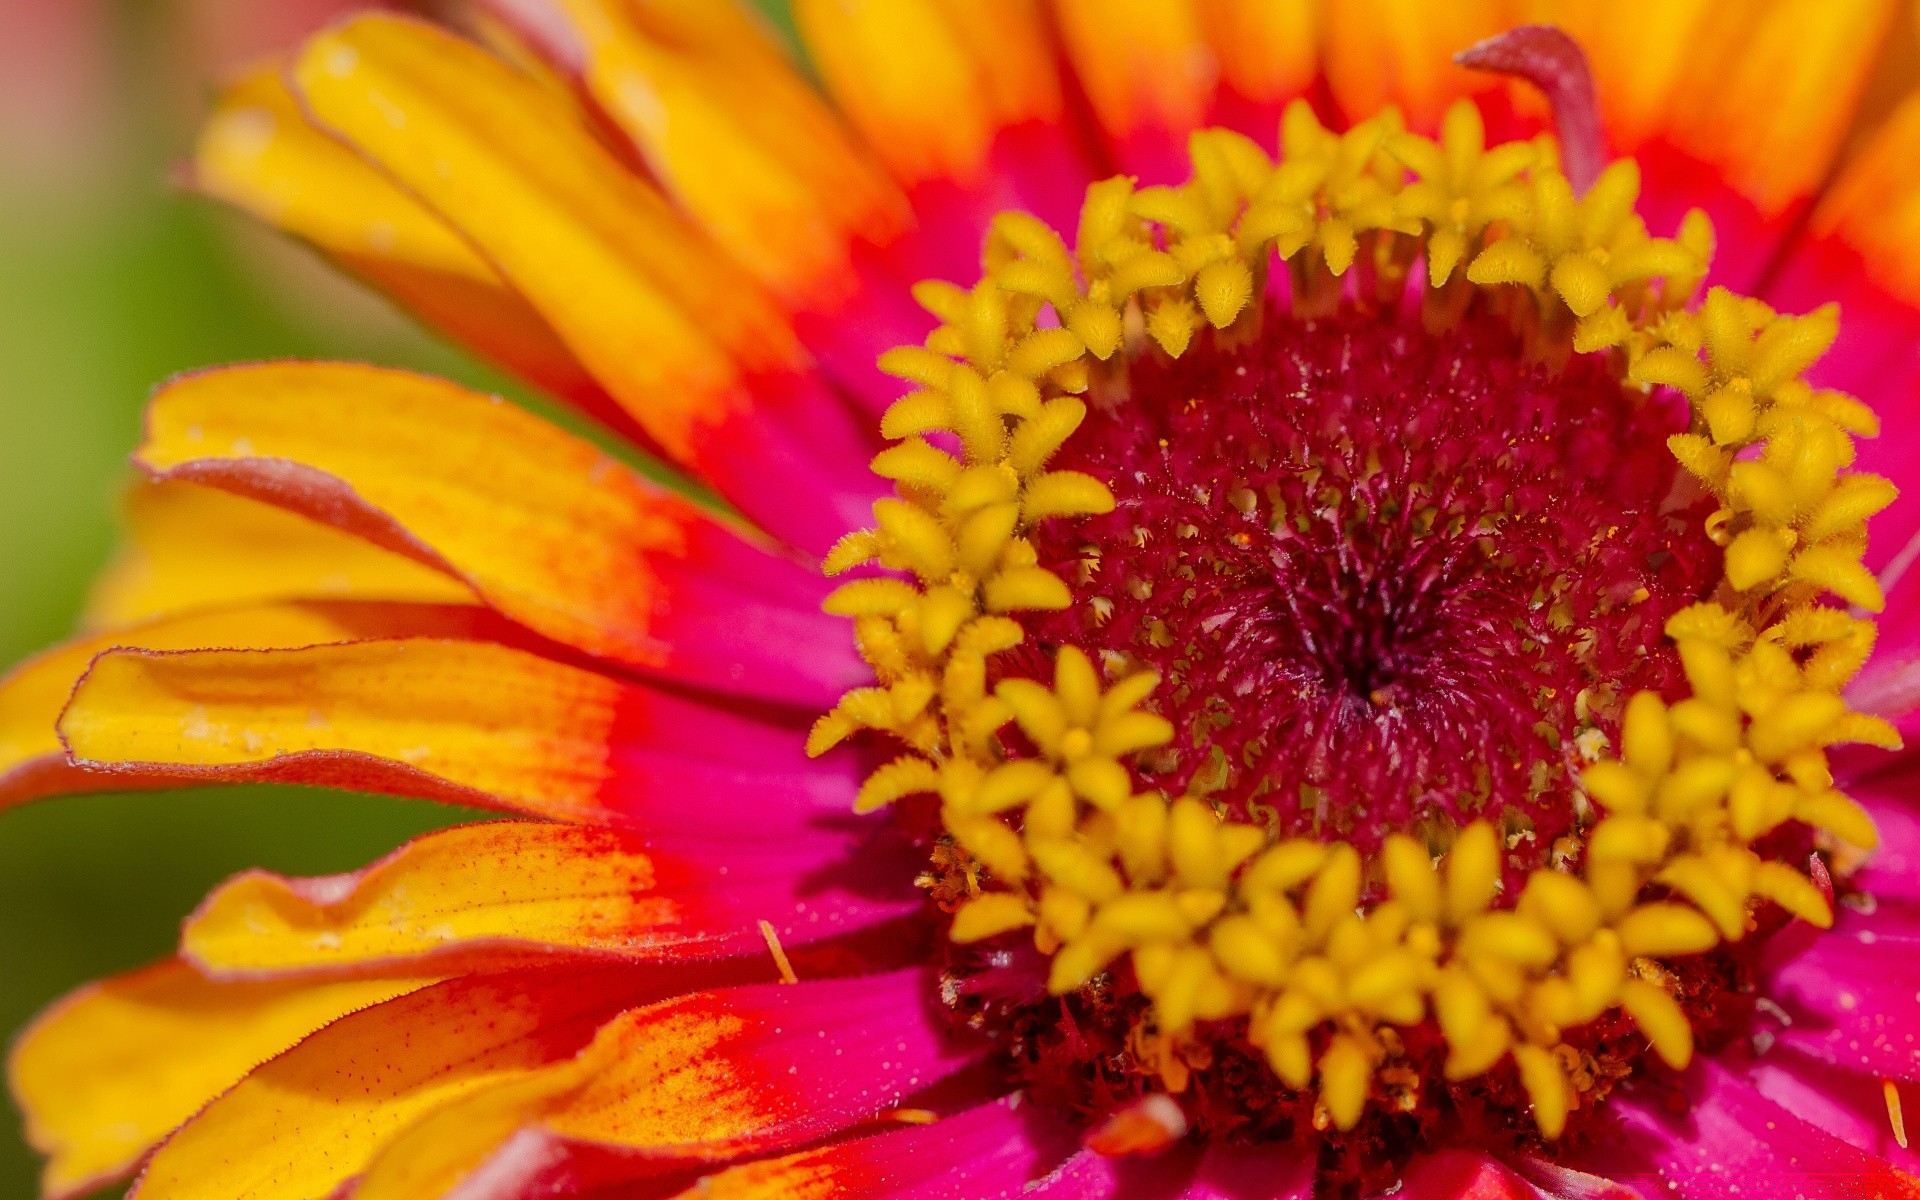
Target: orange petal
[[1400, 52], [753, 155], [115, 1067], [1267, 48], [259, 152], [929, 83], [544, 526], [1862, 249], [1146, 65], [666, 325], [308, 1120], [1638, 51], [705, 1077], [995, 1150], [1873, 207], [470, 722], [34, 764], [509, 891], [1769, 89], [190, 547]]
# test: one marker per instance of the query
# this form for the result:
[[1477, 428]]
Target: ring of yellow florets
[[1218, 919]]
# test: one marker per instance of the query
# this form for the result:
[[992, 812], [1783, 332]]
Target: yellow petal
[[33, 763], [115, 1067], [190, 547], [259, 152], [544, 526], [664, 323]]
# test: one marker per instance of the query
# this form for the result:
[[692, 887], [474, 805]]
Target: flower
[[1359, 682]]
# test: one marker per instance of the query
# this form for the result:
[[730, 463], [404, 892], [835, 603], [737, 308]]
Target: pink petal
[[1733, 1140], [1853, 993], [1283, 1172], [1560, 1182], [986, 1153], [1462, 1175], [1851, 1107]]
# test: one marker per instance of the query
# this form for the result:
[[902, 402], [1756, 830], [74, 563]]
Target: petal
[[1732, 1136], [762, 166], [1156, 70], [414, 1087], [33, 763], [490, 894], [1268, 52], [1557, 1181], [1149, 74], [544, 526], [1400, 52], [191, 547], [680, 338], [260, 153], [1852, 993], [1232, 1172], [1889, 796], [703, 1078], [307, 1120], [912, 80], [1462, 1175], [1851, 1107], [1638, 50], [1756, 118], [1221, 1172], [115, 1067], [1862, 248], [469, 722], [994, 1150], [740, 141]]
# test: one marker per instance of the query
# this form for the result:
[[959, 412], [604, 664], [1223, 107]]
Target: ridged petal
[[929, 99], [1851, 1107], [1400, 52], [306, 1121], [112, 1069], [468, 722], [1638, 50], [704, 1078], [1853, 991], [542, 525], [1861, 248], [1891, 797], [1279, 1171], [1149, 74], [187, 547], [1732, 1135], [419, 1091], [683, 340], [511, 891], [33, 763], [988, 1153], [1750, 120], [1156, 70], [740, 141], [1462, 1175], [260, 153], [963, 102]]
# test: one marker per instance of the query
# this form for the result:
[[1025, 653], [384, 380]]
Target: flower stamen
[[1333, 962]]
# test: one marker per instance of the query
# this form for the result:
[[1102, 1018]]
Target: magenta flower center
[[1387, 575]]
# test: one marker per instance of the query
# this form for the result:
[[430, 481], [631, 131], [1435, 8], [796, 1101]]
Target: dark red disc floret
[[1387, 575]]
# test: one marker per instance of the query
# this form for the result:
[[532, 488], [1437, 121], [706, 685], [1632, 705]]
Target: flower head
[[1368, 672]]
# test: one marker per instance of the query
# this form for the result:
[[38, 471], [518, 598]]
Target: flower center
[[1385, 576], [1349, 706]]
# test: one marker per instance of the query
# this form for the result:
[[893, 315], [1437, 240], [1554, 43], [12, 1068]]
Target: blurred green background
[[110, 280]]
